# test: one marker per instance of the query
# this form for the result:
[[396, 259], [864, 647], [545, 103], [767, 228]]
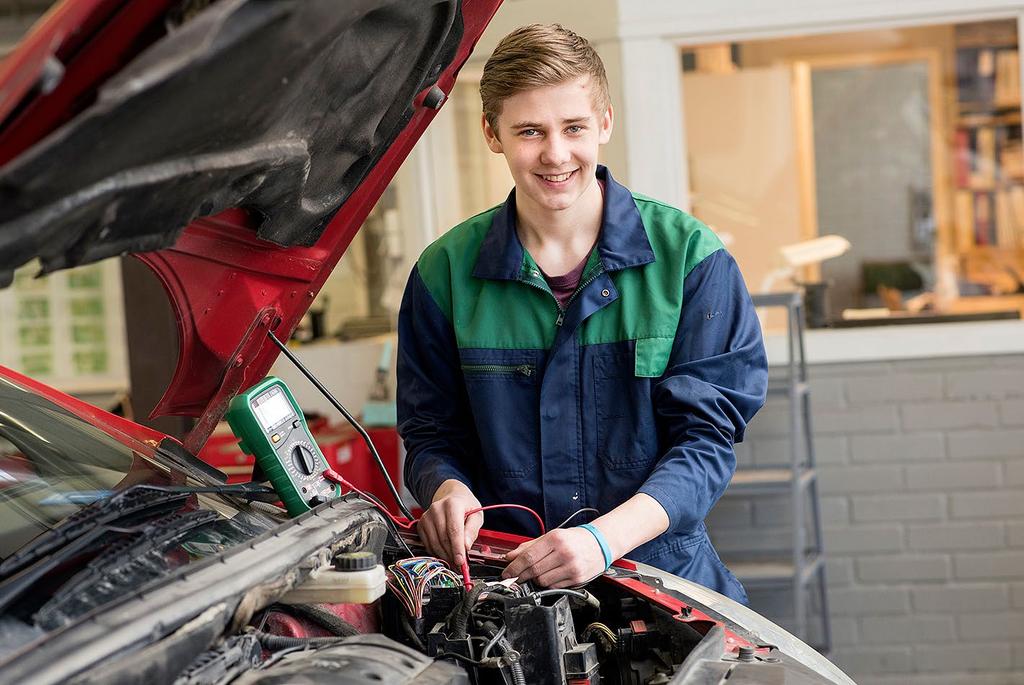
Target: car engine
[[428, 627]]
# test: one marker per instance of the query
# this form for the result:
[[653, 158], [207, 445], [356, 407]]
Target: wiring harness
[[410, 579]]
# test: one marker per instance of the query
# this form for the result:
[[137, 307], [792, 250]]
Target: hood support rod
[[348, 417]]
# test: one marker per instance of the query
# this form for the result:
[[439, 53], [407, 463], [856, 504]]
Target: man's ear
[[490, 135], [605, 126]]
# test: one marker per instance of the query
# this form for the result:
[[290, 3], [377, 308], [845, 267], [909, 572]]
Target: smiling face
[[550, 138]]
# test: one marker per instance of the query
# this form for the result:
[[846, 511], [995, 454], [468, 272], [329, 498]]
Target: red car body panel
[[227, 287], [92, 39]]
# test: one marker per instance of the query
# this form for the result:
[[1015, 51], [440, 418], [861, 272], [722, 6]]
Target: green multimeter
[[269, 425]]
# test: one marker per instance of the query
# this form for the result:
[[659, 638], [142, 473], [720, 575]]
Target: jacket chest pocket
[[627, 435], [504, 394]]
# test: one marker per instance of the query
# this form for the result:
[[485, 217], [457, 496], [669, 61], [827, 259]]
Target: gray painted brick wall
[[921, 469]]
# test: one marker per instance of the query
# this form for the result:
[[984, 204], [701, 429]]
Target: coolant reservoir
[[356, 578]]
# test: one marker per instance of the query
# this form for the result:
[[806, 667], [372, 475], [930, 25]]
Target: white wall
[[347, 369], [597, 20]]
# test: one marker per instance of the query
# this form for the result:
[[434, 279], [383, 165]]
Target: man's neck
[[559, 239]]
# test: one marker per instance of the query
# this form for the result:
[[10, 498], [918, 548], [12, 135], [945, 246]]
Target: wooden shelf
[[994, 187], [987, 119], [986, 303], [995, 34], [989, 107], [993, 251]]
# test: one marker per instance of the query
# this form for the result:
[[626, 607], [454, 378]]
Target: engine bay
[[429, 627], [161, 575]]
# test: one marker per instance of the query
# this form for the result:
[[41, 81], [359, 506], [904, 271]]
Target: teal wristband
[[602, 543]]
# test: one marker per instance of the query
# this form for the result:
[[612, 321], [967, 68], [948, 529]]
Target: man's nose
[[556, 151]]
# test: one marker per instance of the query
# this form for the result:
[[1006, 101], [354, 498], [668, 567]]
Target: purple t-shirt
[[562, 287]]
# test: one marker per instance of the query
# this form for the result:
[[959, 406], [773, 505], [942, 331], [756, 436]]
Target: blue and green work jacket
[[643, 382]]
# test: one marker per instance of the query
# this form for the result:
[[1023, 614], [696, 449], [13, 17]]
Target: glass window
[[906, 143], [66, 327]]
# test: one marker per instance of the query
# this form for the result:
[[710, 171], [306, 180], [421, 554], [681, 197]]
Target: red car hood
[[235, 149]]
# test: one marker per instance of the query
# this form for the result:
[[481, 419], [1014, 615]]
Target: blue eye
[[529, 132], [575, 129]]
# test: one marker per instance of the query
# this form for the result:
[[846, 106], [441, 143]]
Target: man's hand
[[444, 528], [567, 557], [561, 558]]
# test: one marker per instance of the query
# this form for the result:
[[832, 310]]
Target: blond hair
[[539, 55]]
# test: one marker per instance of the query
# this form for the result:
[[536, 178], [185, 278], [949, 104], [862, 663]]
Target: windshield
[[85, 518]]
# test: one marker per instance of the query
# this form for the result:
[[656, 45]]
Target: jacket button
[[605, 292]]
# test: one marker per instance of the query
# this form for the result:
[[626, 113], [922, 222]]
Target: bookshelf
[[988, 157]]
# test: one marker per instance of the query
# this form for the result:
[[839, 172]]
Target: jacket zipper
[[544, 289], [561, 312], [521, 369], [579, 289]]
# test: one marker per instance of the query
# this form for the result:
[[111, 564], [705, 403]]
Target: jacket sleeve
[[716, 380], [434, 419]]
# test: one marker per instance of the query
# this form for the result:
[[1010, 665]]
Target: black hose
[[458, 657], [320, 616], [276, 642], [499, 640], [458, 620], [514, 666], [581, 595]]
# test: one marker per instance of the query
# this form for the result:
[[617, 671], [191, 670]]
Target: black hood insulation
[[282, 107]]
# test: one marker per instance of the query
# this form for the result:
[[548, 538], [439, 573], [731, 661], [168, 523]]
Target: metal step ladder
[[801, 569]]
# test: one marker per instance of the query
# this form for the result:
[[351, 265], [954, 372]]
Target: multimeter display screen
[[271, 408]]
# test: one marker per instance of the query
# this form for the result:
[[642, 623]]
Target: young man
[[578, 347]]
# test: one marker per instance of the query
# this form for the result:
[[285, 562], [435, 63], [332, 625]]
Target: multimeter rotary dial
[[302, 458]]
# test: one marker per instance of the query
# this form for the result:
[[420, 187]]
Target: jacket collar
[[622, 243]]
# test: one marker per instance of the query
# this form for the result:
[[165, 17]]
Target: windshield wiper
[[126, 564], [141, 501], [117, 515]]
